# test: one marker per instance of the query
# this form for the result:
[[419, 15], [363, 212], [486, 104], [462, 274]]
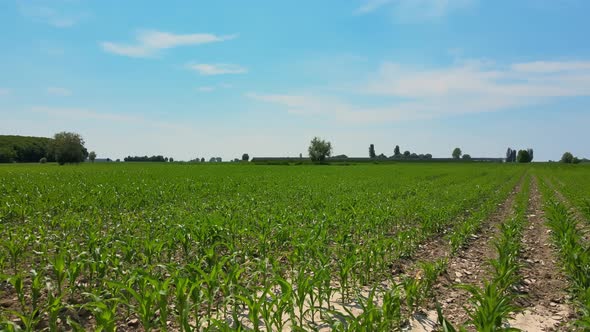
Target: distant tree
[[457, 153], [513, 156], [576, 160], [530, 151], [407, 154], [523, 156], [69, 148], [203, 160], [118, 160], [319, 149], [382, 156], [218, 159], [466, 157], [340, 156], [428, 156], [92, 156], [43, 160], [396, 151], [414, 156], [171, 159], [567, 158], [372, 154], [25, 149], [245, 157], [7, 155], [509, 155], [212, 160], [146, 159]]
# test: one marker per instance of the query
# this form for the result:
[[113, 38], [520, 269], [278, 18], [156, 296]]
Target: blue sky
[[219, 78]]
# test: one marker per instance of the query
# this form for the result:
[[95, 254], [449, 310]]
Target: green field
[[227, 247]]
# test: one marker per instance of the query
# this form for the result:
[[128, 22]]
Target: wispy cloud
[[211, 88], [480, 79], [468, 87], [335, 108], [413, 10], [551, 66], [149, 42], [57, 91], [81, 114], [39, 12], [371, 5], [208, 69], [206, 89]]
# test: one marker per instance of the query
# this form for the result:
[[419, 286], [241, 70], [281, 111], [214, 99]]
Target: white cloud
[[149, 42], [212, 88], [208, 69], [205, 88], [371, 5], [479, 79], [404, 93], [84, 114], [414, 10], [37, 11], [127, 50], [336, 108], [56, 91], [551, 66]]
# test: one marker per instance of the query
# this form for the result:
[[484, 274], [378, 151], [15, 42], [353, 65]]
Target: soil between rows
[[544, 284], [469, 265]]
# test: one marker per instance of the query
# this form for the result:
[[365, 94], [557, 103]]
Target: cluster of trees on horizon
[[68, 147], [397, 154], [522, 156], [158, 158], [63, 148], [568, 158]]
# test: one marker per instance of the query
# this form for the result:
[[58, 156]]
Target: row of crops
[[573, 183], [223, 247], [493, 303], [569, 237]]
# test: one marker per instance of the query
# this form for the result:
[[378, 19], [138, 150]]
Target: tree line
[[25, 149], [68, 147], [522, 156], [320, 149], [158, 158], [64, 148]]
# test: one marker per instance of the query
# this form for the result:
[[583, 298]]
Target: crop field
[[185, 247]]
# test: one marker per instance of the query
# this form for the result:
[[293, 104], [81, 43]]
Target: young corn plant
[[492, 306], [575, 255], [105, 312]]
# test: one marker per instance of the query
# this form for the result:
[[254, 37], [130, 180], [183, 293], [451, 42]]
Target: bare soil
[[469, 266], [544, 285]]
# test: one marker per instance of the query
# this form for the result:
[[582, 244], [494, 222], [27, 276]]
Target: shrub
[[567, 158], [319, 149]]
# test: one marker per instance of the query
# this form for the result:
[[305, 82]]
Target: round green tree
[[69, 148], [319, 149]]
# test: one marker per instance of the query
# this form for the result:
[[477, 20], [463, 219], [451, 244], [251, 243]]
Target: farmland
[[225, 247]]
